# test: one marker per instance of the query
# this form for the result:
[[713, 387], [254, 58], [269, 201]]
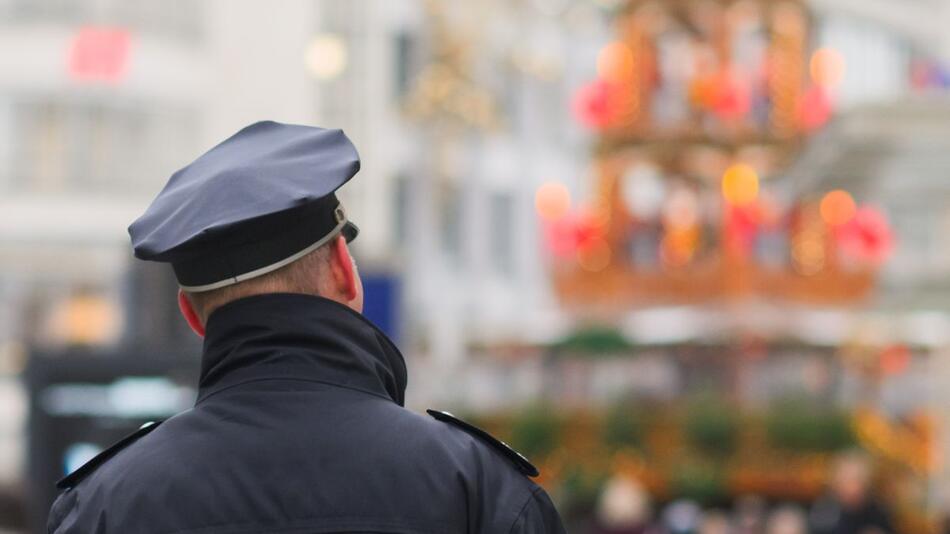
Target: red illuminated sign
[[99, 54]]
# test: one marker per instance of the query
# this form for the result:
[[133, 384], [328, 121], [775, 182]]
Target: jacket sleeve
[[538, 516]]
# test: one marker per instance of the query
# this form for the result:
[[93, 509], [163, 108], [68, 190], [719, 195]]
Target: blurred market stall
[[725, 341]]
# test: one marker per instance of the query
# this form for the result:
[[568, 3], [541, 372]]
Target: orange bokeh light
[[615, 62], [740, 184], [678, 246], [837, 208], [85, 320], [895, 359], [553, 201], [827, 67]]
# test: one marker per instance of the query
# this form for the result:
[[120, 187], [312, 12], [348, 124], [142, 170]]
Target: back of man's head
[[328, 271], [308, 275]]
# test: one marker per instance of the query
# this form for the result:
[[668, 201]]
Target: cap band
[[341, 225]]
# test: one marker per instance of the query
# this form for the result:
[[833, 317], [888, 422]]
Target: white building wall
[[877, 61], [255, 62]]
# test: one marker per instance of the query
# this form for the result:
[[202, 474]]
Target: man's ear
[[344, 273], [188, 312]]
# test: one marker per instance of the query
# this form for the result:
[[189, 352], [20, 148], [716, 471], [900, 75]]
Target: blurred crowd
[[849, 507]]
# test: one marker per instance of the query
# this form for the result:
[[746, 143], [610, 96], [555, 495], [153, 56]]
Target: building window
[[405, 63], [39, 160], [919, 244], [513, 99], [450, 223], [402, 211], [93, 147], [502, 232]]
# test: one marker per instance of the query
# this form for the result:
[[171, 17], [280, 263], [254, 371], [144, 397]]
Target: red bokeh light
[[815, 109], [867, 237], [741, 228], [596, 104], [732, 99], [560, 237], [573, 233]]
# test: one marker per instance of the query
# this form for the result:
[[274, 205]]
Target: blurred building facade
[[461, 114], [99, 103]]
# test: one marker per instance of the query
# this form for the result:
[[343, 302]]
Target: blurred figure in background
[[750, 514], [715, 522], [787, 519], [850, 508], [682, 517], [623, 508]]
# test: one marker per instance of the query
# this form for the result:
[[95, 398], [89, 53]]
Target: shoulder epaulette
[[519, 460], [76, 476]]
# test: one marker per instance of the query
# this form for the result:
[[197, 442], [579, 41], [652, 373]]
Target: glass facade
[[178, 19]]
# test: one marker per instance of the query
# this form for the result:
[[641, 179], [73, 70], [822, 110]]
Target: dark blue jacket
[[299, 427]]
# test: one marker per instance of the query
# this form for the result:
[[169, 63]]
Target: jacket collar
[[285, 335]]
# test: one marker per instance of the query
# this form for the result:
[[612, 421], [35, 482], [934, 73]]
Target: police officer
[[299, 424]]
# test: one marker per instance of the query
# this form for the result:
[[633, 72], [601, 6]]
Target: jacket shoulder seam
[[521, 463], [523, 509]]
